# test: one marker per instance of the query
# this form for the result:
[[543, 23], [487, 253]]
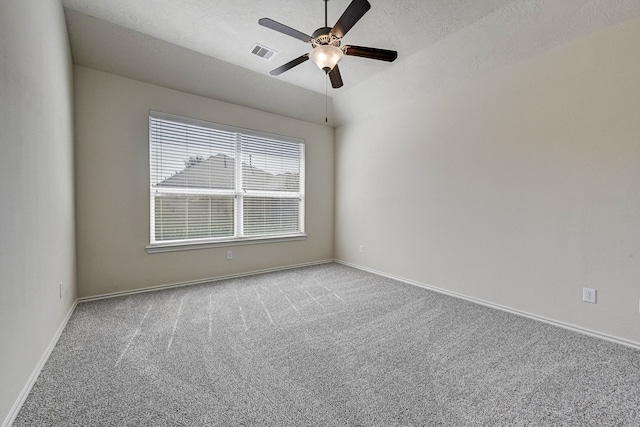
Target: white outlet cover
[[589, 295]]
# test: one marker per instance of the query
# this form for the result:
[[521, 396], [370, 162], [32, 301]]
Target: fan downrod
[[322, 36]]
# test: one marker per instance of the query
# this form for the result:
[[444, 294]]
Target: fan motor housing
[[322, 36]]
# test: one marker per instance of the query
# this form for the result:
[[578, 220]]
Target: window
[[213, 183]]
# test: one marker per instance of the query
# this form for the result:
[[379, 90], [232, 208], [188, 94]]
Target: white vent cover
[[263, 51]]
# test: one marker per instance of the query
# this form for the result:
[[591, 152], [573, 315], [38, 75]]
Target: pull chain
[[326, 99]]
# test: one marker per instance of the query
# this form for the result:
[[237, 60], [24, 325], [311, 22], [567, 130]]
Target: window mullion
[[239, 198]]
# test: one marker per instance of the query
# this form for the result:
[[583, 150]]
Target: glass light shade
[[326, 57]]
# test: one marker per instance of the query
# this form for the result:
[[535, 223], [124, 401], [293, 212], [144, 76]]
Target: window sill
[[188, 246]]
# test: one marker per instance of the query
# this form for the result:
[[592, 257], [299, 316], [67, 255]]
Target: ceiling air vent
[[263, 52]]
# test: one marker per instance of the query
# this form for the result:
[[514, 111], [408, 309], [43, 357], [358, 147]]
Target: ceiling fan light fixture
[[326, 56], [326, 41]]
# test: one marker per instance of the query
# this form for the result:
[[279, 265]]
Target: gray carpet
[[325, 345]]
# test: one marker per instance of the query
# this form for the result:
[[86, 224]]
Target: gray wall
[[518, 188], [37, 234], [112, 184]]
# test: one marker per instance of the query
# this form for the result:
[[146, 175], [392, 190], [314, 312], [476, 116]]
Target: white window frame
[[239, 193]]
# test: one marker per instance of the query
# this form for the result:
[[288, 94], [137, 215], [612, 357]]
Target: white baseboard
[[200, 281], [13, 413], [547, 320]]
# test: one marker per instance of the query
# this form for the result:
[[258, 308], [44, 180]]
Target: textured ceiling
[[202, 46]]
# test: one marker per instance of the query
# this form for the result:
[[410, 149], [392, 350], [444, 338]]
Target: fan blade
[[270, 23], [289, 65], [371, 52], [351, 15], [335, 77]]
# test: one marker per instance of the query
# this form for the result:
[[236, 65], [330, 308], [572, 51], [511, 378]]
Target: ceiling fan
[[326, 52]]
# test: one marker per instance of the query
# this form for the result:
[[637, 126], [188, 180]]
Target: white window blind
[[218, 183]]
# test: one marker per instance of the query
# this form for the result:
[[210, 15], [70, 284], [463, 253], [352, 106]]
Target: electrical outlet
[[361, 249], [589, 295], [229, 255]]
